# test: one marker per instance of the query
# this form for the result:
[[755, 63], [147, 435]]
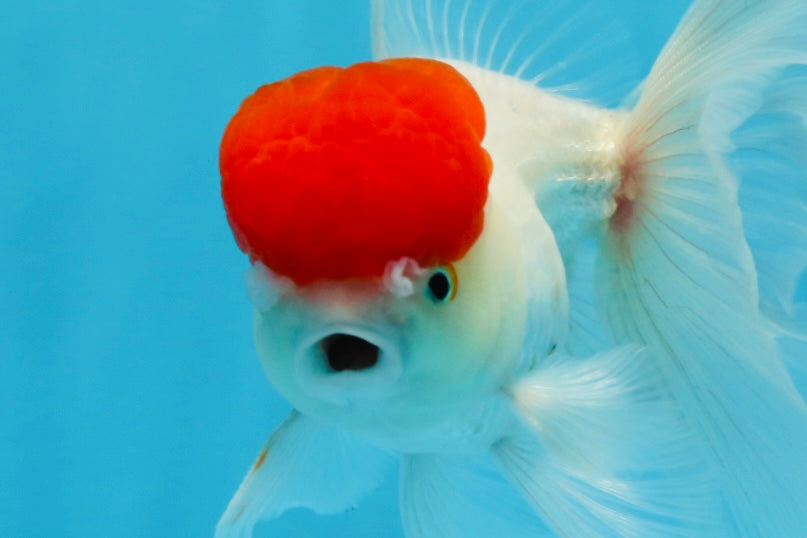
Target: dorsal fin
[[576, 48]]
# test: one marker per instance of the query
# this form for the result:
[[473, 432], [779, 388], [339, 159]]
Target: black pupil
[[439, 286]]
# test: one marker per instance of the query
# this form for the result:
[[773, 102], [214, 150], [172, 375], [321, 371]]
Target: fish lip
[[345, 387]]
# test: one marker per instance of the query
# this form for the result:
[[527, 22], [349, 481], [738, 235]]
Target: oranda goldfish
[[557, 318]]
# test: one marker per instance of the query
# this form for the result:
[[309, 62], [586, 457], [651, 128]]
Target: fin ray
[[528, 39]]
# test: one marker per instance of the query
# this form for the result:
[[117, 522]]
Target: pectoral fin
[[304, 464], [603, 452]]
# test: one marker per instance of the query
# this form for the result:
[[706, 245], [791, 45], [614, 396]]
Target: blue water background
[[131, 400]]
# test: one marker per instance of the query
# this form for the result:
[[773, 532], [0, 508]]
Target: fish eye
[[441, 286]]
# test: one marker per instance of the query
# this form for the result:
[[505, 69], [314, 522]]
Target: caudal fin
[[677, 272]]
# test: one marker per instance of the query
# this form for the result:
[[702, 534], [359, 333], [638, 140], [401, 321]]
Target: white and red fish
[[557, 319]]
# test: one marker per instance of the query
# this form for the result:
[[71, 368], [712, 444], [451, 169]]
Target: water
[[131, 401]]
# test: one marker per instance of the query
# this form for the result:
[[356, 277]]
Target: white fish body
[[632, 382]]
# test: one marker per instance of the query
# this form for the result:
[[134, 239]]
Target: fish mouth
[[346, 363], [348, 352]]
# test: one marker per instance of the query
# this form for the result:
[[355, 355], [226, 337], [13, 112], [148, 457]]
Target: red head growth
[[333, 172]]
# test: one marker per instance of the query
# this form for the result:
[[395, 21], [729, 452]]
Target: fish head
[[400, 354]]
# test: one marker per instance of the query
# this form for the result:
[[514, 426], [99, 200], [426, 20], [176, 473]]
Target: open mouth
[[346, 363], [348, 352]]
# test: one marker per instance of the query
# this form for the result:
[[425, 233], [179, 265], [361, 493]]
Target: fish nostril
[[348, 352]]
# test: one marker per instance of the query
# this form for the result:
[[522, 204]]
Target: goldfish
[[552, 316]]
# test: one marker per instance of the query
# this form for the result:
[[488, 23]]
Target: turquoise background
[[131, 401]]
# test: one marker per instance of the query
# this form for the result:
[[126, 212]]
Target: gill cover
[[333, 172]]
